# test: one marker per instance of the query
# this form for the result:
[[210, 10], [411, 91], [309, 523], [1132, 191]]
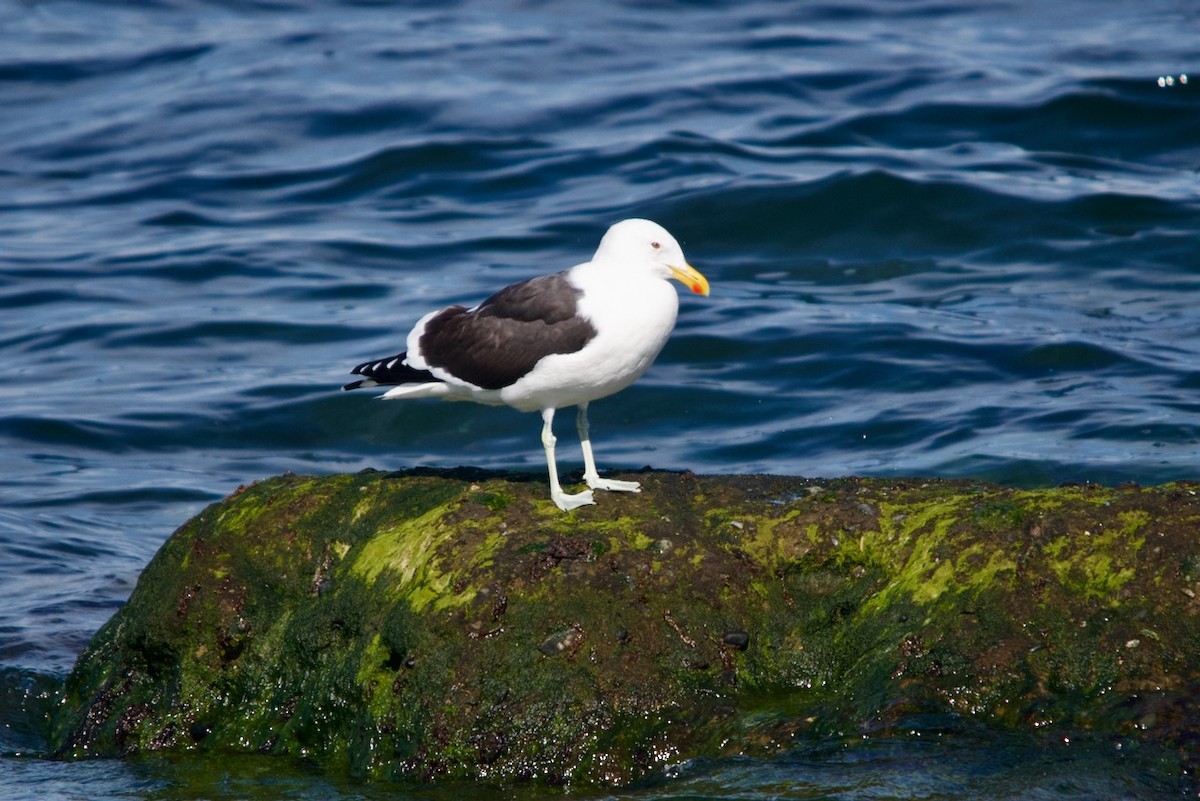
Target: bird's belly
[[573, 378]]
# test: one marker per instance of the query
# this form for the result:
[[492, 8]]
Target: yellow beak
[[691, 278]]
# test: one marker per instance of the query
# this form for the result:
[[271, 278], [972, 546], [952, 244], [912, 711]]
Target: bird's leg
[[590, 475], [561, 499]]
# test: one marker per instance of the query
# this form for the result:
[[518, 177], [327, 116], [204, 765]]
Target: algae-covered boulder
[[458, 624]]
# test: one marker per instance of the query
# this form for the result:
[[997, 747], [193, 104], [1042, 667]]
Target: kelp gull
[[558, 340]]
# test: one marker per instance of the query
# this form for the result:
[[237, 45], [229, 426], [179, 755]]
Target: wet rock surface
[[455, 623]]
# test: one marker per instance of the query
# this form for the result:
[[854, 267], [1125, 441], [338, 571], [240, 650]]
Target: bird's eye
[[655, 245]]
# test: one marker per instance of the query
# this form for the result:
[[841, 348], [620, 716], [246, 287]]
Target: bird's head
[[644, 241]]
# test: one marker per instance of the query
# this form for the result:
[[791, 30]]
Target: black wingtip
[[389, 372]]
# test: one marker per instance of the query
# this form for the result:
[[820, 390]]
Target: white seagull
[[558, 340]]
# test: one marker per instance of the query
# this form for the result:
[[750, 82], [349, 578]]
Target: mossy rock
[[457, 624]]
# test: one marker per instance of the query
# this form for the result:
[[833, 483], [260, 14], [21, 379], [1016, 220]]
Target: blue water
[[953, 239]]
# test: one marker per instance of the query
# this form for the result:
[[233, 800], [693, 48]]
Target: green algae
[[1097, 565], [428, 625]]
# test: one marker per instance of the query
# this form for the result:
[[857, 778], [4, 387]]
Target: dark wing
[[493, 345]]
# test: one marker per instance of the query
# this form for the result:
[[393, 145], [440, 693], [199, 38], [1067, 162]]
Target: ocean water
[[944, 239]]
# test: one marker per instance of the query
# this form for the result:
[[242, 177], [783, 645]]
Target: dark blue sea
[[944, 239]]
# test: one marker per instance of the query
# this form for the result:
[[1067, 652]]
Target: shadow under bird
[[557, 340]]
